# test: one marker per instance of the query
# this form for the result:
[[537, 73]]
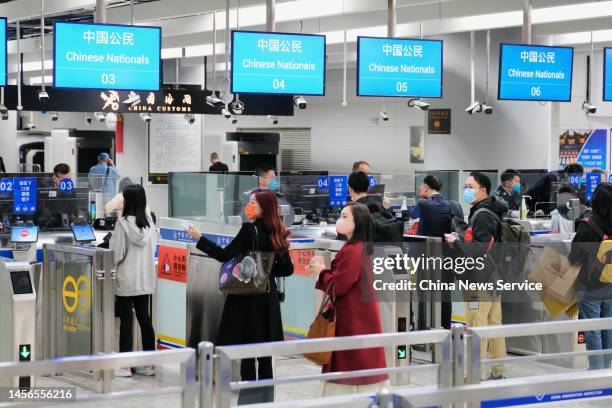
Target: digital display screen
[[22, 285], [27, 234], [607, 81], [535, 73], [3, 59], [83, 233], [278, 63], [399, 67], [105, 56]]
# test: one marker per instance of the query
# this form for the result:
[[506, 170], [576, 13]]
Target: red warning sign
[[580, 338], [301, 258], [172, 263]]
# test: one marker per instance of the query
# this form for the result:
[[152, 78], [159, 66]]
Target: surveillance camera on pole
[[384, 116], [300, 102], [588, 108], [273, 119], [475, 107], [486, 108], [418, 104], [190, 118], [145, 117]]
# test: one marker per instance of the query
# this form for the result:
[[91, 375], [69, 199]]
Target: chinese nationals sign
[[172, 263], [101, 56], [277, 63], [399, 67]]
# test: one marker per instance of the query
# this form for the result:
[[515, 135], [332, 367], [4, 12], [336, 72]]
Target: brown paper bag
[[555, 307], [556, 275]]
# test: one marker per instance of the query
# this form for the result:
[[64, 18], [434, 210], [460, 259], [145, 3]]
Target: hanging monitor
[[607, 81], [106, 56], [278, 63], [399, 67], [3, 51], [535, 73]]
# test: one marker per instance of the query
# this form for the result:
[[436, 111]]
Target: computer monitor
[[306, 190], [24, 234], [57, 211], [83, 233]]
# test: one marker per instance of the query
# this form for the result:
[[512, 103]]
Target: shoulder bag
[[324, 325], [248, 273]]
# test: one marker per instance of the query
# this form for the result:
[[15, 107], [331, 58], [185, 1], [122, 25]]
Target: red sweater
[[354, 315]]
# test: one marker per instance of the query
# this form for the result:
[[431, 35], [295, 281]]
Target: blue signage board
[[278, 63], [607, 77], [535, 73], [338, 190], [322, 183], [3, 59], [372, 182], [25, 195], [399, 67], [592, 181], [66, 185], [106, 56], [6, 186], [575, 180], [548, 398]]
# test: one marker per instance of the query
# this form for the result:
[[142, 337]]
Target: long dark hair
[[270, 216], [602, 202], [364, 229], [135, 202]]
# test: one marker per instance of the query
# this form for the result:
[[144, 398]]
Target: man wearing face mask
[[266, 178], [482, 308], [510, 189]]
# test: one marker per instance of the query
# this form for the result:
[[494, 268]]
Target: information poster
[[105, 56], [172, 264], [535, 73], [174, 146], [278, 63], [588, 147], [338, 190], [25, 197], [399, 67]]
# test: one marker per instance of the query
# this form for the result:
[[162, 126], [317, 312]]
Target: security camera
[[5, 116], [100, 117], [300, 102], [145, 117], [475, 107], [384, 116], [54, 116], [190, 118], [3, 110], [43, 97], [588, 108], [233, 119], [487, 109], [88, 118], [273, 119], [238, 107], [213, 101], [226, 113], [419, 104]]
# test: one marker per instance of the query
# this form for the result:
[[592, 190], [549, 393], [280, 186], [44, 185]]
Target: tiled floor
[[169, 376]]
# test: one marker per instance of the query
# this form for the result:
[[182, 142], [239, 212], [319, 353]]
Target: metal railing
[[225, 386], [186, 357], [476, 334]]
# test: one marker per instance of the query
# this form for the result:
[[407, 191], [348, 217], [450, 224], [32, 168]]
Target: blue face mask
[[517, 188], [469, 195], [273, 184]]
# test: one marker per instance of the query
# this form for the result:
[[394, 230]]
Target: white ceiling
[[187, 24]]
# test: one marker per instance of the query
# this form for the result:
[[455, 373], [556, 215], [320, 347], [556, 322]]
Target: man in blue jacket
[[103, 177]]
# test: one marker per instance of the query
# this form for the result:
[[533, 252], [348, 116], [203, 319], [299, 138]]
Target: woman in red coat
[[354, 315]]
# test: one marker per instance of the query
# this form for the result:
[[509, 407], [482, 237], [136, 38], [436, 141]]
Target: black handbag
[[248, 273]]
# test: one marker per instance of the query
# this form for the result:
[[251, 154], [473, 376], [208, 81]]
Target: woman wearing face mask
[[253, 318], [351, 274]]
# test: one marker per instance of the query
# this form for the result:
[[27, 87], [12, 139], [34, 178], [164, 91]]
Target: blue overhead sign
[[399, 67], [535, 73], [25, 197], [607, 81], [278, 63], [2, 51], [105, 56]]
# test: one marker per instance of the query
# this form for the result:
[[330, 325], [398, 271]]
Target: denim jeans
[[594, 307]]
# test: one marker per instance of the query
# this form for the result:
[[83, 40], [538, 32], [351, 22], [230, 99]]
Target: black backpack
[[512, 255], [387, 228]]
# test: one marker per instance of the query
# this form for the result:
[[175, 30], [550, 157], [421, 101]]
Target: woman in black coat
[[254, 318]]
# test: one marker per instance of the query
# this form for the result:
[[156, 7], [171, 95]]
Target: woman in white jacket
[[134, 242]]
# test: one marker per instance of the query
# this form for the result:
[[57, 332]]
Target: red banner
[[172, 263]]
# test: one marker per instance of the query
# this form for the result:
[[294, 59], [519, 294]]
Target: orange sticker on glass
[[301, 258], [172, 263]]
